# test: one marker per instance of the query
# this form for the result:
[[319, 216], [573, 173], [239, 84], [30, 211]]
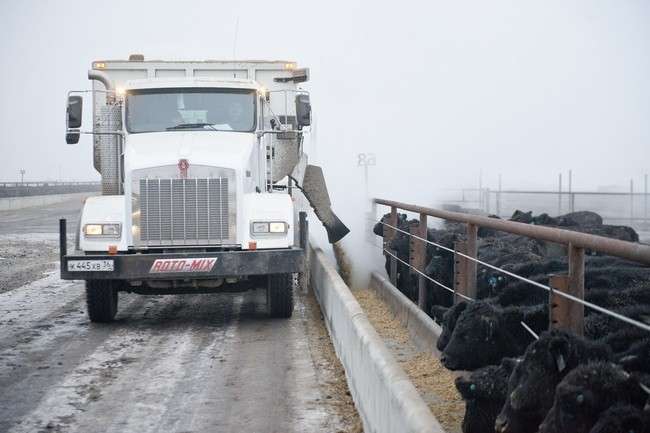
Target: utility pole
[[480, 189], [571, 196], [499, 198], [559, 195], [645, 199], [631, 201]]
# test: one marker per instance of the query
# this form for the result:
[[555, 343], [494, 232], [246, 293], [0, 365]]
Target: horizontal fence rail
[[632, 206], [566, 292], [23, 189]]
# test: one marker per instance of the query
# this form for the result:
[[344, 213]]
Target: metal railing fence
[[566, 292]]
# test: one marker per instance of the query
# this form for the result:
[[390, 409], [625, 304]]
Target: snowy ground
[[193, 363]]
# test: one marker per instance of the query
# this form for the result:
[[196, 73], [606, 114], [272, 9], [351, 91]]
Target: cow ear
[[628, 361], [490, 325], [509, 364], [559, 348]]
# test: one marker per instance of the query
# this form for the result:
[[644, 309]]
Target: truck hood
[[214, 148]]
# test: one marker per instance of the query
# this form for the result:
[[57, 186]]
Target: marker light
[[100, 65], [289, 66], [120, 91]]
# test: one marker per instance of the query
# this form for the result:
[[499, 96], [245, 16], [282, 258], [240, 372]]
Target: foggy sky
[[438, 90]]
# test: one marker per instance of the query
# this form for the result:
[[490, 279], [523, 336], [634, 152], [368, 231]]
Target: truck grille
[[196, 211]]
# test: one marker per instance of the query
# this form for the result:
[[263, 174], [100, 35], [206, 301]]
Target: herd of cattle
[[558, 382]]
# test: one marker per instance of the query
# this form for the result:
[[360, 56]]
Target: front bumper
[[179, 266]]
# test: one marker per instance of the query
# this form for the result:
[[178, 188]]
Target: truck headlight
[[278, 227], [266, 227], [106, 230]]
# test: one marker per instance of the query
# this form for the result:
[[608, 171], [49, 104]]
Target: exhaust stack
[[106, 149]]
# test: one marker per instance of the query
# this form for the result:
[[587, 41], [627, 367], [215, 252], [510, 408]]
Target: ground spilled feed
[[434, 383], [329, 369], [343, 263]]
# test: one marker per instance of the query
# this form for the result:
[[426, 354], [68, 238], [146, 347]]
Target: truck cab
[[201, 165]]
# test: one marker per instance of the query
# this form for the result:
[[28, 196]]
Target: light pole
[[22, 175], [366, 160]]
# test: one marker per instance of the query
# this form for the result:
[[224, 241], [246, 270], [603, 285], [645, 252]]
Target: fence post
[[393, 268], [417, 257], [565, 313], [460, 271], [471, 265], [389, 234]]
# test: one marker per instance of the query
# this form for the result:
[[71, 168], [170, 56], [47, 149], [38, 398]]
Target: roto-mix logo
[[162, 266]]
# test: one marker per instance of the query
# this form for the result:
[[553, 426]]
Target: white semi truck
[[201, 163]]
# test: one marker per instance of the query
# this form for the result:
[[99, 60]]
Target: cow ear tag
[[561, 364]]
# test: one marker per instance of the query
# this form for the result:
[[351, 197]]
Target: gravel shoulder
[[26, 258], [431, 379]]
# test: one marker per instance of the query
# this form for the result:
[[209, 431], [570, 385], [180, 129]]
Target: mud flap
[[315, 190]]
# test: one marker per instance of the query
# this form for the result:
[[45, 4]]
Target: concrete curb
[[423, 330], [386, 399], [12, 203]]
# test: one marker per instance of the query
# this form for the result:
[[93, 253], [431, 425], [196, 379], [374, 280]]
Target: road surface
[[197, 363]]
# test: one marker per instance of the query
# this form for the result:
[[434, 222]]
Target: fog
[[440, 91]]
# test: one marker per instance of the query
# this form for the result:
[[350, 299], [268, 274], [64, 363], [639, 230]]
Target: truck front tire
[[101, 299], [279, 295]]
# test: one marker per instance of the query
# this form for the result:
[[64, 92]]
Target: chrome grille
[[194, 211]]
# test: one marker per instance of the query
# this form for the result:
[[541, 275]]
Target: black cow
[[485, 333], [586, 393], [484, 392], [636, 358], [622, 419], [598, 325], [532, 384], [449, 319]]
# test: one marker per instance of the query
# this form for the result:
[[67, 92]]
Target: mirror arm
[[76, 131], [260, 134]]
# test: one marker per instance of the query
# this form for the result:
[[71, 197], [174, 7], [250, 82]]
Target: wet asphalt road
[[41, 219], [194, 363]]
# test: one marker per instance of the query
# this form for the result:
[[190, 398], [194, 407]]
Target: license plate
[[91, 266]]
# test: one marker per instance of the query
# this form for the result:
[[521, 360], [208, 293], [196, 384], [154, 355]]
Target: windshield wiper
[[192, 125]]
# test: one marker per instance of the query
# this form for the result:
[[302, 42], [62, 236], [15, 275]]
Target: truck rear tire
[[279, 295], [101, 299]]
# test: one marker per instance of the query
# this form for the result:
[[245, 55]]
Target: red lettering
[[196, 265]]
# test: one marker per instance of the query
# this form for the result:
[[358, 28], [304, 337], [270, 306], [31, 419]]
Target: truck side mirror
[[72, 137], [73, 112], [303, 110]]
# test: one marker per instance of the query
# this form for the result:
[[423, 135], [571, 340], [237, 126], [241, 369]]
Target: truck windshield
[[153, 110]]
